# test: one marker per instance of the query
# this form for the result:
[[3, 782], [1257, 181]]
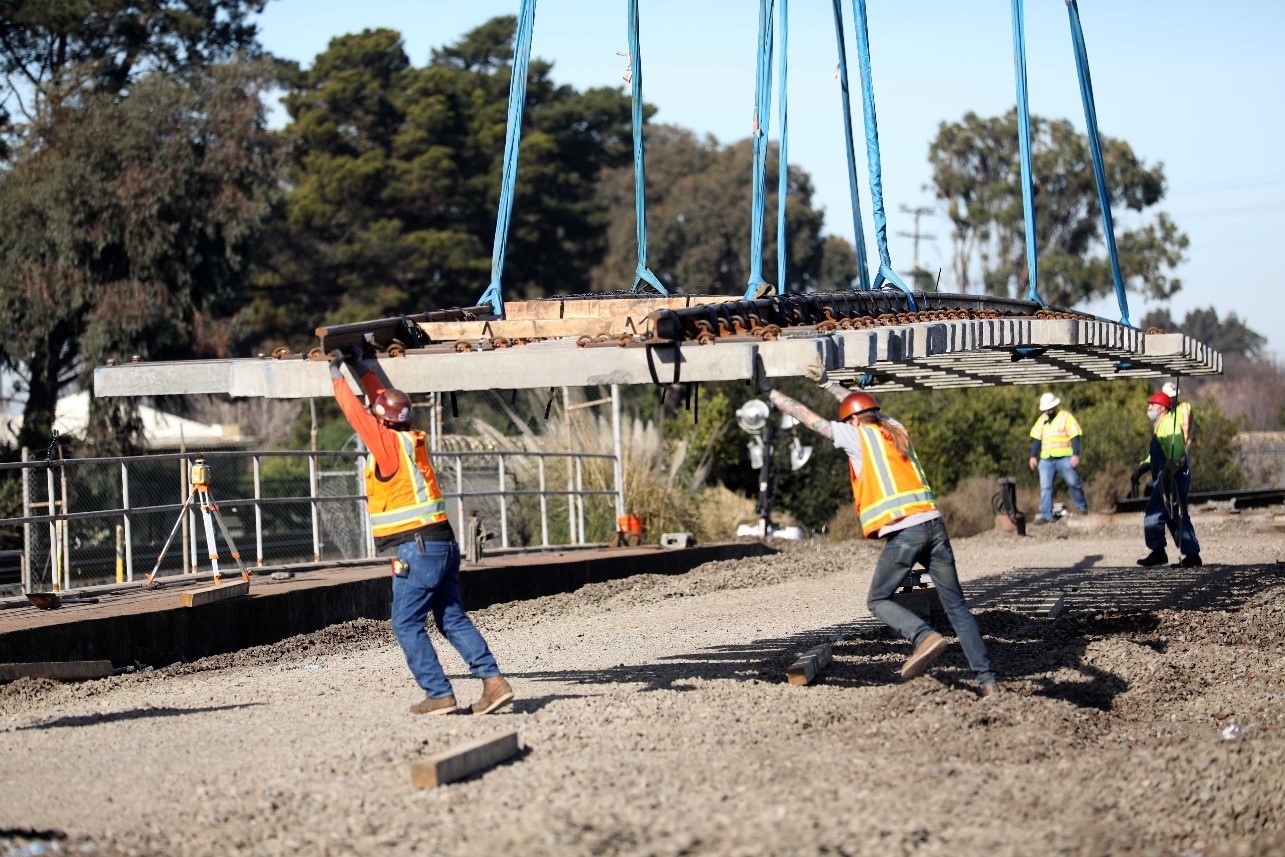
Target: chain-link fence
[[93, 521]]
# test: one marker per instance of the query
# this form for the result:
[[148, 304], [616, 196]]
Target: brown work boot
[[928, 650], [496, 693], [993, 689], [440, 705]]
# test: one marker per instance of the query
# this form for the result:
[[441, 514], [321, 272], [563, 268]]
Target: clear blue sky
[[1196, 85]]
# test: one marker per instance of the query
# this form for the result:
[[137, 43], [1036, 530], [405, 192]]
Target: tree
[[395, 181], [977, 173], [50, 49], [126, 223], [1231, 336], [698, 222]]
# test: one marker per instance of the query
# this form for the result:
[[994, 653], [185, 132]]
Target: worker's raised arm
[[801, 412]]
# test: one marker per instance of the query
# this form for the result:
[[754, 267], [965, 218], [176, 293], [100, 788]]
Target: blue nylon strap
[[872, 154], [783, 180], [762, 108], [863, 273], [1095, 146], [1024, 144], [642, 273], [512, 141]]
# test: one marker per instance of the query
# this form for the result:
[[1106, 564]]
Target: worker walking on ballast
[[1055, 449], [895, 503], [409, 523], [1170, 481]]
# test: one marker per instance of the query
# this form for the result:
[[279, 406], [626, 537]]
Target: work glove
[[337, 358], [760, 377]]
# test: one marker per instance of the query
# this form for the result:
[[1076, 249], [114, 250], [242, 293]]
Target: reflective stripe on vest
[[1055, 434], [411, 498], [891, 486]]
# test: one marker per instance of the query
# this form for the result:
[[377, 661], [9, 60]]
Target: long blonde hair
[[885, 423]]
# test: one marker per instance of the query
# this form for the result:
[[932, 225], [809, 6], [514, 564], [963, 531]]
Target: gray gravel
[[1147, 719]]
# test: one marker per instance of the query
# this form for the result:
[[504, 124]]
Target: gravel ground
[[1149, 718]]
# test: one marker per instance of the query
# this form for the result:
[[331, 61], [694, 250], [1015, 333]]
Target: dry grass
[[967, 510], [1108, 485], [653, 490], [719, 511]]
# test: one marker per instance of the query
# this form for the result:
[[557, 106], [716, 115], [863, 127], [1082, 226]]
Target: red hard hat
[[1160, 399], [392, 406], [858, 402]]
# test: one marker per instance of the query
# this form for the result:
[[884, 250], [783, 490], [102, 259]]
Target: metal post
[[459, 490], [128, 521], [26, 528], [571, 497], [53, 528], [258, 512], [504, 507], [66, 525], [619, 469], [190, 563], [580, 497], [312, 501], [544, 505]]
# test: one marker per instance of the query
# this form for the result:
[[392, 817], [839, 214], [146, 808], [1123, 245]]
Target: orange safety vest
[[1055, 434], [411, 498], [891, 487]]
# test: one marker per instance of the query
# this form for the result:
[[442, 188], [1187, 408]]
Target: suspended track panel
[[929, 355]]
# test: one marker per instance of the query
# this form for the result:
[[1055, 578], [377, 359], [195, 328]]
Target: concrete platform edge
[[160, 637]]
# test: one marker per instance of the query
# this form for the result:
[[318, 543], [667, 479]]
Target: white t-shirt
[[847, 438]]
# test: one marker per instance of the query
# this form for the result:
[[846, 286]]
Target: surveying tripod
[[199, 477]]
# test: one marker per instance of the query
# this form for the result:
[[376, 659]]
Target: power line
[[916, 235]]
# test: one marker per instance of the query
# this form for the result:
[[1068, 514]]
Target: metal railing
[[89, 521]]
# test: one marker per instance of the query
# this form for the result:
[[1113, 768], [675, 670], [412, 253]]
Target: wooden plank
[[809, 665], [210, 594], [60, 670], [463, 761]]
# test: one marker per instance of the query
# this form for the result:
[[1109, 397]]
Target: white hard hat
[[1170, 389], [1049, 401]]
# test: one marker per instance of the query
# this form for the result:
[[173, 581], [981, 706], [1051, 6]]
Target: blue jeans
[[1156, 517], [432, 582], [927, 543], [1049, 467]]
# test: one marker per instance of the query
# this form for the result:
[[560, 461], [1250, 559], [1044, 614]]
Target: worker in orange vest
[[895, 503], [409, 524]]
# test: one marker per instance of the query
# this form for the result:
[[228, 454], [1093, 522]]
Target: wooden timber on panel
[[463, 761], [211, 594], [809, 665], [565, 317], [917, 356], [60, 670]]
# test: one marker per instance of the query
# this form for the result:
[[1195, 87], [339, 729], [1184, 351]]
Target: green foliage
[[127, 220], [395, 181], [698, 221], [977, 173], [1215, 449], [1231, 336]]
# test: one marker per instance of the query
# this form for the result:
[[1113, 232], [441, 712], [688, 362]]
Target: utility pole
[[915, 236]]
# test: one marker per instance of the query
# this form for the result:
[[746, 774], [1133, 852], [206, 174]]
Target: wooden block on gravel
[[60, 670], [210, 594], [463, 761], [809, 666], [1051, 608]]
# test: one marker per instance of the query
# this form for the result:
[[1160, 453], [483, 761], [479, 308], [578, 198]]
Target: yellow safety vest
[[411, 498], [1168, 432], [891, 487], [1055, 434]]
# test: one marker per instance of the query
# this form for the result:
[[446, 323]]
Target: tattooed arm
[[802, 413]]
